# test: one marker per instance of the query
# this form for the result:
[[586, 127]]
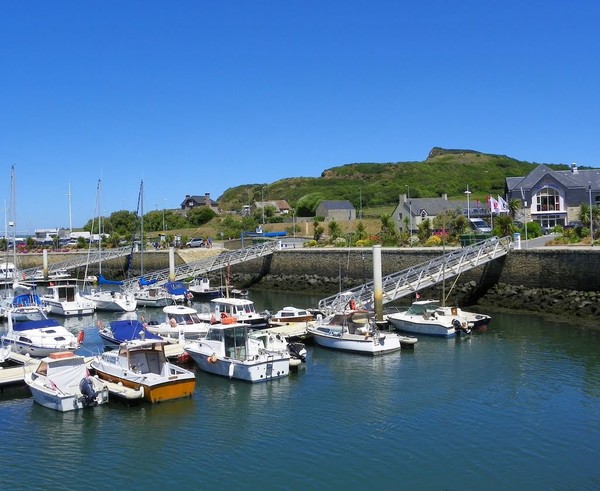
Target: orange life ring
[[352, 304], [80, 337]]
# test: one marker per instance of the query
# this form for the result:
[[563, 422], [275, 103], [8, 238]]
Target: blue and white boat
[[121, 331], [39, 336]]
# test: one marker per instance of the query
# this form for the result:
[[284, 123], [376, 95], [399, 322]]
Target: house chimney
[[574, 168]]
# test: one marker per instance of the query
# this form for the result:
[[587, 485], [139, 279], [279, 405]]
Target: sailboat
[[112, 299], [148, 293]]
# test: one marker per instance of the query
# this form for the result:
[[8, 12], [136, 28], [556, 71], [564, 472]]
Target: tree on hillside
[[200, 215], [307, 205]]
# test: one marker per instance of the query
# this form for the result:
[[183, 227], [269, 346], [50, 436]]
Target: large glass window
[[548, 199]]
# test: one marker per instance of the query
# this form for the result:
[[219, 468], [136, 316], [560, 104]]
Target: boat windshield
[[421, 308]]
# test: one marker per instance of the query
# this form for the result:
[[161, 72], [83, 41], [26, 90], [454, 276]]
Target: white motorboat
[[236, 310], [352, 330], [152, 296], [429, 318], [292, 314], [56, 275], [62, 382], [112, 300], [180, 322], [142, 365], [228, 350], [66, 300], [39, 336]]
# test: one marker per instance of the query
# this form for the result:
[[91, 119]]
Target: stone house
[[336, 210], [193, 201]]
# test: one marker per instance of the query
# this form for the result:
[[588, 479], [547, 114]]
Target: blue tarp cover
[[28, 325], [103, 281], [176, 288], [126, 330], [145, 282]]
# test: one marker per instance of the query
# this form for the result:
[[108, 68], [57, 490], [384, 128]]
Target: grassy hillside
[[375, 185]]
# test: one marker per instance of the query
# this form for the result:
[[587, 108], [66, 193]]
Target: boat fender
[[212, 358], [80, 337]]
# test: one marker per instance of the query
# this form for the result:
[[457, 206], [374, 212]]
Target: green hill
[[380, 184]]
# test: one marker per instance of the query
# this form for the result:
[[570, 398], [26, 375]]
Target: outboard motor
[[297, 350], [461, 328], [86, 387]]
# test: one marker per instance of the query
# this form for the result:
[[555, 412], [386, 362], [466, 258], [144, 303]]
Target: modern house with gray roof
[[552, 197]]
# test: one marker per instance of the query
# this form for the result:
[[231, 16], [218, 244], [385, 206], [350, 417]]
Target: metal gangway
[[424, 275], [79, 261], [208, 264]]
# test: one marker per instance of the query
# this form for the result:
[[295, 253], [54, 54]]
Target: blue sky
[[196, 97]]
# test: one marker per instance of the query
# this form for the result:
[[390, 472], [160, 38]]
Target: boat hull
[[46, 397], [69, 309], [158, 391], [352, 343], [423, 328], [261, 370]]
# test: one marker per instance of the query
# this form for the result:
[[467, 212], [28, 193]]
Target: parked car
[[479, 226], [197, 242]]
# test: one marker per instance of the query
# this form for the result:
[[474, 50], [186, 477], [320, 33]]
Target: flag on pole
[[503, 204]]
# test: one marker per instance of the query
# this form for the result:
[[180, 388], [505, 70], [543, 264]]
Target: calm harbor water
[[516, 407]]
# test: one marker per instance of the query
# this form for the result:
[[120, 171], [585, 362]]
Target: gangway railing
[[206, 265], [424, 275], [80, 260]]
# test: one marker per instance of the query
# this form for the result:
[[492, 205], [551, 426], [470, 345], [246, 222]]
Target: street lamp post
[[164, 228], [591, 222], [409, 211], [468, 193], [262, 203]]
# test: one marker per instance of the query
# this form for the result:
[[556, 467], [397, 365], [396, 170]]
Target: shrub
[[433, 241]]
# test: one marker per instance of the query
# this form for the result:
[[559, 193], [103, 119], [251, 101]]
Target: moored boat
[[180, 322], [62, 382], [142, 364], [229, 351], [230, 309], [428, 318], [352, 331], [39, 336], [66, 300], [120, 331], [292, 314]]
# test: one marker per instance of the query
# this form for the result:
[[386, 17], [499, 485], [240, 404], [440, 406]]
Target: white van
[[479, 226]]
